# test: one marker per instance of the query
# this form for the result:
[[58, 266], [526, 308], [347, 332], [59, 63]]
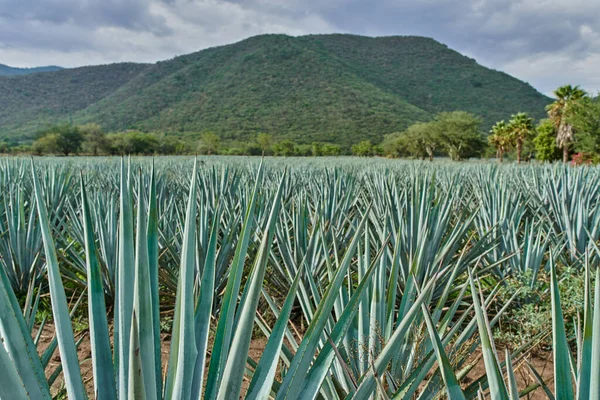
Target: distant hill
[[5, 70], [336, 88]]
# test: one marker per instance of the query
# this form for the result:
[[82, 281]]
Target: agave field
[[365, 279]]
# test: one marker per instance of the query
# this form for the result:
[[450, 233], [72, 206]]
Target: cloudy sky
[[544, 42]]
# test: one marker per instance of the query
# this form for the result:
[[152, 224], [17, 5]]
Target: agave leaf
[[294, 377], [47, 356], [231, 384], [104, 376], [152, 233], [136, 384], [142, 305], [59, 368], [363, 312], [541, 382], [205, 305], [11, 386], [40, 330], [60, 310], [411, 384], [317, 373], [125, 282], [30, 311], [226, 319], [450, 381], [367, 383], [585, 343], [512, 380], [498, 389], [563, 385], [264, 373], [381, 392], [595, 369], [183, 342], [20, 347]]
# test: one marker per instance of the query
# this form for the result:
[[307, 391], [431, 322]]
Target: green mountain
[[5, 70], [337, 88]]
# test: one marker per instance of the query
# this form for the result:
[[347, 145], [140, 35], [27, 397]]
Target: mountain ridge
[[337, 88], [7, 70]]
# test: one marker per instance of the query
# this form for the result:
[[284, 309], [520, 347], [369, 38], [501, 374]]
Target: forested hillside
[[330, 88]]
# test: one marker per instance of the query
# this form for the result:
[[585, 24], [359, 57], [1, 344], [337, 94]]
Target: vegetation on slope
[[328, 88], [29, 102], [432, 76]]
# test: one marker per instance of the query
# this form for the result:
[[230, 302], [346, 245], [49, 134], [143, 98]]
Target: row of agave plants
[[391, 268]]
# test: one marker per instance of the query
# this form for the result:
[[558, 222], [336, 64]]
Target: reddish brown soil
[[542, 362], [85, 352]]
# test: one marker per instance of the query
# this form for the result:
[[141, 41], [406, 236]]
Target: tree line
[[89, 139], [571, 132]]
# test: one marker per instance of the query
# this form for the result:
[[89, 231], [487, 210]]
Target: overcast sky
[[544, 42]]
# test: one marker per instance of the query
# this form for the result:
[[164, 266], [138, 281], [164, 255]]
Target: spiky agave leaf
[[16, 340], [563, 385], [60, 311], [231, 384], [452, 385], [143, 307], [104, 376], [205, 306], [496, 382], [183, 342], [125, 282], [11, 385], [226, 319]]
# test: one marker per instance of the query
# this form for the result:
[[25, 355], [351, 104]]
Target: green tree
[[500, 139], [285, 148], [363, 149], [329, 149], [210, 143], [545, 142], [265, 141], [586, 121], [253, 149], [47, 144], [94, 139], [317, 149], [458, 132], [560, 111], [395, 145], [132, 142], [169, 145], [521, 129], [420, 140], [69, 138]]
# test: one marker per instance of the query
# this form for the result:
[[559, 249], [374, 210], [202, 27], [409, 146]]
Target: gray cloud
[[545, 42], [129, 14]]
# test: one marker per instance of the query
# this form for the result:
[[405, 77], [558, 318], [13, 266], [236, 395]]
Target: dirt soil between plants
[[541, 361]]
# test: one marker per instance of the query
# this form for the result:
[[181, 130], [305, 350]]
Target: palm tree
[[500, 139], [559, 112], [520, 129]]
